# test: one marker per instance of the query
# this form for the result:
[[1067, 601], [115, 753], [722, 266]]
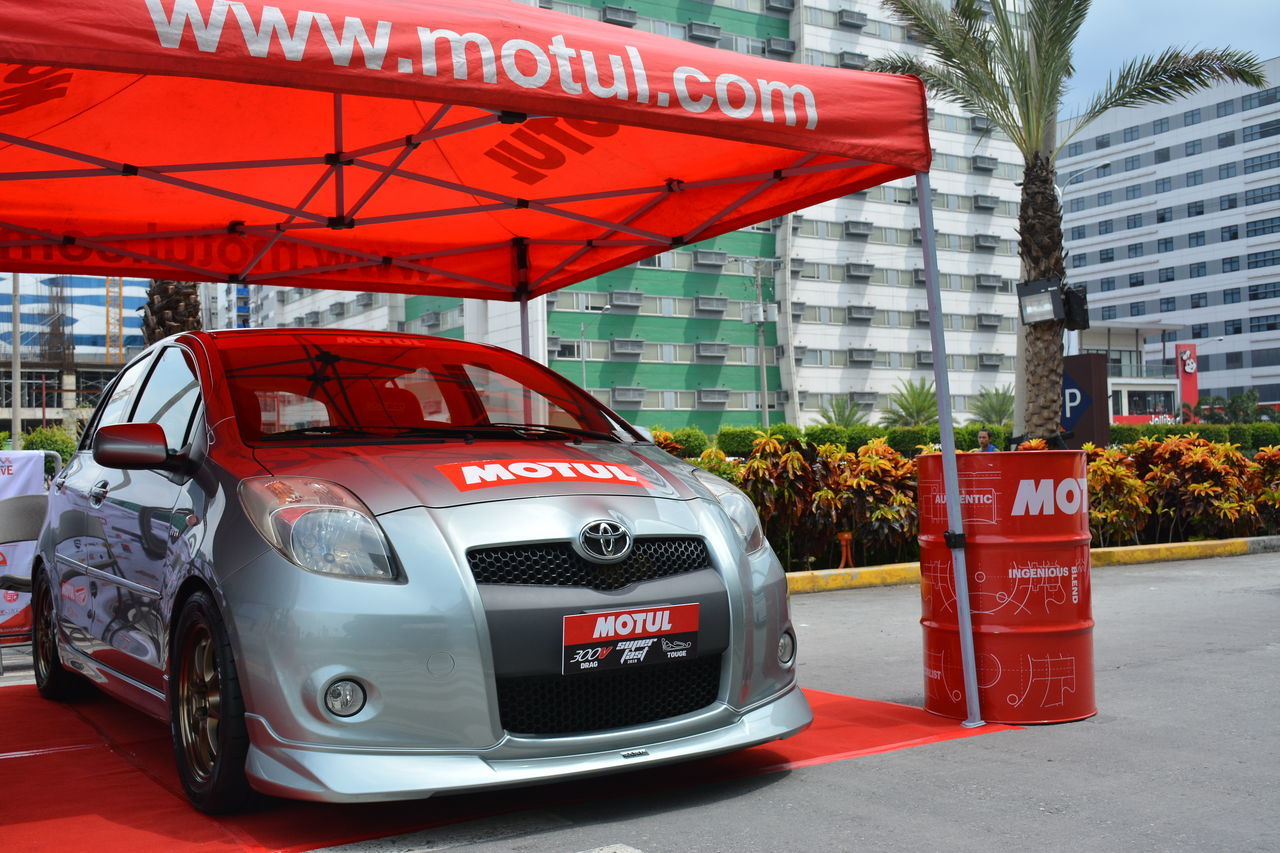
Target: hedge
[[692, 439]]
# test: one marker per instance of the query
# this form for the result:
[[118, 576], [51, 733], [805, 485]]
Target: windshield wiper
[[548, 431], [328, 429]]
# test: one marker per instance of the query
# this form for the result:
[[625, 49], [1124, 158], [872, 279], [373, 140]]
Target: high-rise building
[[1172, 217], [830, 302]]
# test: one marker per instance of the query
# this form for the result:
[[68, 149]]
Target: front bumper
[[331, 775]]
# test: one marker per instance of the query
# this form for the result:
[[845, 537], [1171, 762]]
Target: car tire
[[206, 711], [54, 681]]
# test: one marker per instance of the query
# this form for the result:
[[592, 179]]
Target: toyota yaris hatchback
[[348, 566]]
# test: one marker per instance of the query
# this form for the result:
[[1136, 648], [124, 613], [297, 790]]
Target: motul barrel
[[1026, 526]]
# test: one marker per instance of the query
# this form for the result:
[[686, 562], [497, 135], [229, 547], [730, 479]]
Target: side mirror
[[131, 446]]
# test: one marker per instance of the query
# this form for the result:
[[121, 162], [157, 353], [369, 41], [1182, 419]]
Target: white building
[[1172, 216]]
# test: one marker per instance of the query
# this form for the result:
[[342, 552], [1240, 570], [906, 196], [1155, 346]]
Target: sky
[[1119, 30]]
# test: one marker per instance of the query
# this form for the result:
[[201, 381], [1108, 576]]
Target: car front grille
[[562, 704], [557, 564]]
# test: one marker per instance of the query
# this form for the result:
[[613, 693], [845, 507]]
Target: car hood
[[393, 477]]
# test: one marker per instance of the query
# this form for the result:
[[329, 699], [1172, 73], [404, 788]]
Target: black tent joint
[[676, 242], [675, 185], [336, 159], [236, 226], [387, 260], [411, 143], [338, 223], [68, 240], [128, 170], [509, 117], [235, 278], [521, 203]]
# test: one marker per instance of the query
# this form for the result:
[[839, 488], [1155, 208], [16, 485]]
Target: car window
[[169, 397], [117, 406]]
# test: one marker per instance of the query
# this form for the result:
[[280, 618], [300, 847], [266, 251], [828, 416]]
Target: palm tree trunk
[[1040, 247]]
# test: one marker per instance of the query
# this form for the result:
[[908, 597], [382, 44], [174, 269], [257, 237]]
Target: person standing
[[984, 442]]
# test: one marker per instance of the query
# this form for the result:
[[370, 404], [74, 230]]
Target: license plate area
[[641, 636]]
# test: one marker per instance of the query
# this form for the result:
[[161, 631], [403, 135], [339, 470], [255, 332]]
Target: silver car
[[352, 566]]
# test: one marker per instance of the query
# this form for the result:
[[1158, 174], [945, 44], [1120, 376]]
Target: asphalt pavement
[[1184, 754]]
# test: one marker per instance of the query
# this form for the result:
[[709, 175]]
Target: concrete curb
[[826, 580]]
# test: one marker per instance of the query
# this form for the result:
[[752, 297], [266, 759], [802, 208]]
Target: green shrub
[[907, 440], [736, 441], [1125, 433], [692, 439], [787, 432], [50, 438], [862, 435], [1238, 434], [821, 434], [1263, 434]]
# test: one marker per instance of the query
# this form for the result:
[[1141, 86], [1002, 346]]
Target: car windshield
[[353, 387]]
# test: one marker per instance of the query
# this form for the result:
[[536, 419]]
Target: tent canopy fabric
[[483, 148]]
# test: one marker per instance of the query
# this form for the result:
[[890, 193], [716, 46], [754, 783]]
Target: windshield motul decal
[[466, 476]]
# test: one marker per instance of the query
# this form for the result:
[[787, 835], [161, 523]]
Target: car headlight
[[319, 526], [737, 506]]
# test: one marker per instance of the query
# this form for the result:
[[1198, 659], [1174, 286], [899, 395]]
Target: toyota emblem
[[605, 541]]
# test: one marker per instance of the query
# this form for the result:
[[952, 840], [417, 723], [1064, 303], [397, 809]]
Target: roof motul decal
[[485, 474]]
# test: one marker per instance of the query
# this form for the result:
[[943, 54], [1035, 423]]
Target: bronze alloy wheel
[[46, 644], [199, 693]]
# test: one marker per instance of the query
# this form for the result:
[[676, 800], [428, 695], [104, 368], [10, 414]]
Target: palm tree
[[172, 307], [993, 405], [1013, 67], [843, 412], [912, 403]]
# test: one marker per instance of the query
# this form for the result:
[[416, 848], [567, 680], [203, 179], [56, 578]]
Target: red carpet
[[100, 775]]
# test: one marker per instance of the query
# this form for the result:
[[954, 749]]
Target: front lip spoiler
[[349, 776]]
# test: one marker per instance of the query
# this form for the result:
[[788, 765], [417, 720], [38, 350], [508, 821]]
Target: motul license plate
[[619, 638]]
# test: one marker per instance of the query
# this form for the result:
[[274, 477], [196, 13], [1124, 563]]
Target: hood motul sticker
[[485, 474], [619, 638]]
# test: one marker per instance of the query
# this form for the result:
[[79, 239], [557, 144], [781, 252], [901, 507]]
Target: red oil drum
[[1026, 526]]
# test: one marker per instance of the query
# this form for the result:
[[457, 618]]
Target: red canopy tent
[[480, 149]]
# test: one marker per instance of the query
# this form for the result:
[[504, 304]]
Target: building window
[[1191, 117], [1133, 220], [1104, 197], [1107, 284], [1192, 147], [1133, 162], [1135, 250], [1137, 279], [1258, 227], [1196, 178], [1137, 309], [1199, 300], [1230, 295], [1132, 133], [1264, 291], [1163, 185], [1228, 233], [1226, 170], [1077, 205], [1227, 139], [1105, 226], [1079, 260], [1195, 238], [1231, 264], [1199, 330], [1265, 323], [1258, 260], [1160, 125], [1075, 149], [1109, 312], [1232, 327], [1167, 303], [1227, 202], [1198, 270], [1106, 256], [1253, 100], [1261, 163], [1259, 195], [1164, 214], [1164, 244], [1264, 130], [1161, 155], [1195, 208], [1225, 108], [1077, 232], [1104, 170], [1103, 141], [1133, 191], [1166, 274]]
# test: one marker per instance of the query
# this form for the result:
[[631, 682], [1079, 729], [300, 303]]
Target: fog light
[[786, 648], [344, 698]]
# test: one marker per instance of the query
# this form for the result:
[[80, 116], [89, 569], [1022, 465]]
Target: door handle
[[98, 492], [59, 484]]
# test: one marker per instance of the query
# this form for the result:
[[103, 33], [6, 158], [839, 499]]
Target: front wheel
[[52, 679], [206, 712]]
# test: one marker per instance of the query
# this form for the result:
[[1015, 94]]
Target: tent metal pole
[[524, 322], [15, 370], [950, 474]]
